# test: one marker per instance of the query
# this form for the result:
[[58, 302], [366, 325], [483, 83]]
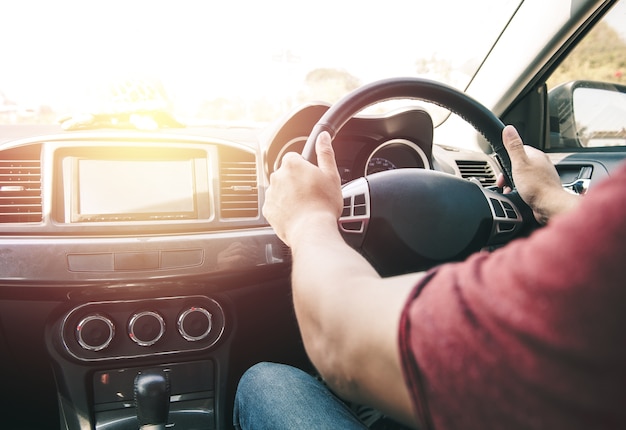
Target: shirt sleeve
[[529, 336]]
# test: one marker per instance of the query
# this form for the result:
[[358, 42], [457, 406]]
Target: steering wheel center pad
[[412, 219]]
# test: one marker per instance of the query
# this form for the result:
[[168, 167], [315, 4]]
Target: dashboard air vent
[[239, 192], [20, 185], [481, 170]]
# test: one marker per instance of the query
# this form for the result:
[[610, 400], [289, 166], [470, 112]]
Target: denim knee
[[279, 396]]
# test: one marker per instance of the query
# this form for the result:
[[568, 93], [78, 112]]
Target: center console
[[104, 350]]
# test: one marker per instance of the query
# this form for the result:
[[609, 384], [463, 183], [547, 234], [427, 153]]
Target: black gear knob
[[152, 399]]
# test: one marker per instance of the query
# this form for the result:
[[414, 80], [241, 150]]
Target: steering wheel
[[406, 220]]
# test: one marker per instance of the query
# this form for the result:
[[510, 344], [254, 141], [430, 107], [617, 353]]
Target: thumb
[[514, 145], [325, 154]]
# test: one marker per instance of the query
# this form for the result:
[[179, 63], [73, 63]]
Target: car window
[[587, 91], [235, 62]]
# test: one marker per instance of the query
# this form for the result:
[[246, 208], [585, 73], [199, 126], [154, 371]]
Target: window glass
[[587, 92], [239, 62]]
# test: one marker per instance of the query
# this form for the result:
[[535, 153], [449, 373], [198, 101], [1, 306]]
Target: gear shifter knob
[[152, 399]]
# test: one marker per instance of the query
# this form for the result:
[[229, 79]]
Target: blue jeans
[[277, 396]]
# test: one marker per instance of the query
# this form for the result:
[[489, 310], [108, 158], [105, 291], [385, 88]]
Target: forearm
[[326, 276], [348, 316]]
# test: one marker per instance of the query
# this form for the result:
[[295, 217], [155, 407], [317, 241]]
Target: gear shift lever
[[152, 399]]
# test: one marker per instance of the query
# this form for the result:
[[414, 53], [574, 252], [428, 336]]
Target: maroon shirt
[[531, 336]]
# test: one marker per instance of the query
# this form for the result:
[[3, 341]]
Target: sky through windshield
[[67, 54]]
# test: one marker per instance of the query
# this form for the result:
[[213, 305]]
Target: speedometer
[[396, 154], [379, 164]]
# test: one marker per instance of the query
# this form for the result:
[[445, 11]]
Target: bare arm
[[348, 315], [349, 319]]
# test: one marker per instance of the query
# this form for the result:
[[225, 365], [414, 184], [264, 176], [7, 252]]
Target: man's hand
[[536, 178], [301, 193]]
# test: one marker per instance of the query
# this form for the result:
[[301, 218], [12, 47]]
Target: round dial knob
[[194, 323], [146, 328], [95, 332]]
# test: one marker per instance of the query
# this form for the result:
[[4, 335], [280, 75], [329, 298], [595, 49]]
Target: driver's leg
[[277, 396]]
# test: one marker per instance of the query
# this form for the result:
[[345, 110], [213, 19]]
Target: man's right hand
[[536, 178], [302, 194]]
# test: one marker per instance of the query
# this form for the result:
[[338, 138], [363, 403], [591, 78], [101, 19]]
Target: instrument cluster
[[365, 145]]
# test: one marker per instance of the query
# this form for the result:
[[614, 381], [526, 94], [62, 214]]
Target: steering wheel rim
[[481, 118]]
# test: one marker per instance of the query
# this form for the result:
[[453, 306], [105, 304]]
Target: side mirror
[[587, 114]]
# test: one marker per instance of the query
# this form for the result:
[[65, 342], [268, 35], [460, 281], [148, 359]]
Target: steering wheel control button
[[354, 206], [506, 217], [146, 328], [347, 206], [195, 323], [355, 216], [497, 207], [352, 226], [95, 332], [510, 211]]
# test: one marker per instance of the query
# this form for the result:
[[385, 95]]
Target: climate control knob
[[95, 332], [195, 323], [146, 328]]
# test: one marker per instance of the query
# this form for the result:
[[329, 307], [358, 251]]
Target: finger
[[513, 144], [290, 159], [501, 184], [325, 154], [500, 181]]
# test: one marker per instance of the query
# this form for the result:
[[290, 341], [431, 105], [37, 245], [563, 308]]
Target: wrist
[[555, 203], [313, 226]]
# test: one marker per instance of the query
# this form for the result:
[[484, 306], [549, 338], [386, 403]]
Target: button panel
[[134, 328]]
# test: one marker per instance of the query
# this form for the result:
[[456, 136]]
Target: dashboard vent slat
[[481, 170], [20, 185], [239, 193]]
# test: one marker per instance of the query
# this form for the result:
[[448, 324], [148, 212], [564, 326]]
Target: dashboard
[[123, 251], [116, 205]]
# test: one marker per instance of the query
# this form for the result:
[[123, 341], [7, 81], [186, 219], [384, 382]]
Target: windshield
[[229, 62]]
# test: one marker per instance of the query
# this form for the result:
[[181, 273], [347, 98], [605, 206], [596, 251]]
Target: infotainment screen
[[136, 189], [105, 189]]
